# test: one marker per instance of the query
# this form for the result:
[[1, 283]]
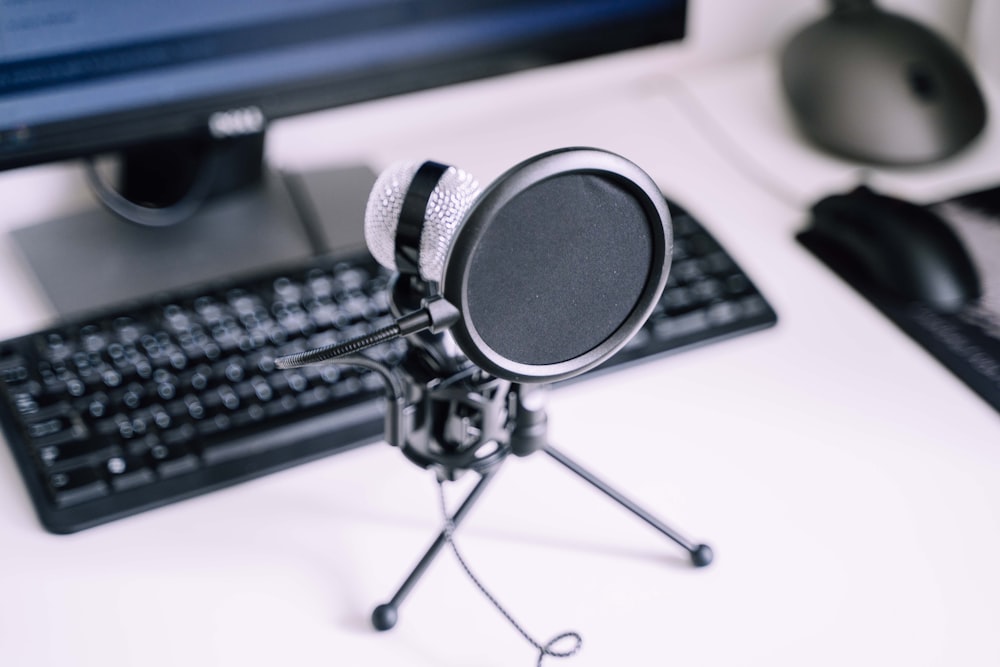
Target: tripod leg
[[385, 615], [701, 554]]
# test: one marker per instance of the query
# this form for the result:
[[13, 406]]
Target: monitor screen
[[176, 95], [78, 78]]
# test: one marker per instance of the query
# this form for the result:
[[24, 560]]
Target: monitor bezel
[[111, 132]]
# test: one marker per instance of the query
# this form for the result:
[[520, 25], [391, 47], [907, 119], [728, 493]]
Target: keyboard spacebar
[[339, 419]]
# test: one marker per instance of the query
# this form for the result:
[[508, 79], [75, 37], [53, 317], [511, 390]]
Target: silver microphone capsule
[[447, 205]]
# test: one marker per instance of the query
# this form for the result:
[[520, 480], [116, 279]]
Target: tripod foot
[[384, 617], [701, 555]]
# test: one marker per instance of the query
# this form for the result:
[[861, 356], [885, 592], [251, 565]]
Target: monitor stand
[[94, 259]]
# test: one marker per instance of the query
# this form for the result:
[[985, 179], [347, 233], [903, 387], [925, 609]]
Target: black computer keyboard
[[130, 409]]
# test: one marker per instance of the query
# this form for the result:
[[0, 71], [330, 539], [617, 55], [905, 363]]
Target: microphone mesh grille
[[382, 214], [446, 208]]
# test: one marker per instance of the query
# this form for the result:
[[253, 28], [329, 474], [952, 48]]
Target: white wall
[[984, 45]]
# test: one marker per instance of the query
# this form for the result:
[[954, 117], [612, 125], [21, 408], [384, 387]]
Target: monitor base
[[93, 259]]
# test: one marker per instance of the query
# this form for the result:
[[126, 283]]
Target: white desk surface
[[846, 481]]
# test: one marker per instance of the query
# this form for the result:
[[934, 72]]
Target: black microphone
[[543, 275]]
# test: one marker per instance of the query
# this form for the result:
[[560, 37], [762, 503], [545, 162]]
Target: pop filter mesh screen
[[559, 268]]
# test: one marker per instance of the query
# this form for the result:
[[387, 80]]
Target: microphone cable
[[546, 649]]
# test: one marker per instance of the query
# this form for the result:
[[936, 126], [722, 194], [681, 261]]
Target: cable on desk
[[543, 649]]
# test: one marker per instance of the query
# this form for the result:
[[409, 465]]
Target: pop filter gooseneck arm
[[435, 316]]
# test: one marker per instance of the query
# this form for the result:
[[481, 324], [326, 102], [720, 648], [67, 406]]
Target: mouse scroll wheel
[[922, 81]]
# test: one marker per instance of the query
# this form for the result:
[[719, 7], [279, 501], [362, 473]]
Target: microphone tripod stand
[[469, 391], [447, 415]]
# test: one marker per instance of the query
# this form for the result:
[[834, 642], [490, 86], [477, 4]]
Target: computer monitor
[[183, 90]]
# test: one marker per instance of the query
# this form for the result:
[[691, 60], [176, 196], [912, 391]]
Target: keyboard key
[[172, 458], [128, 472], [13, 369], [56, 425], [74, 452], [681, 325], [723, 312], [76, 485]]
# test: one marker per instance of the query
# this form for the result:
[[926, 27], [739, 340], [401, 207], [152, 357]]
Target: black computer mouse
[[880, 88], [894, 247]]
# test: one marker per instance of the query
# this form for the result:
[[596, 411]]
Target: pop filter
[[557, 264], [544, 275]]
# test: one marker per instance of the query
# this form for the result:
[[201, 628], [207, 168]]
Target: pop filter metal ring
[[459, 263]]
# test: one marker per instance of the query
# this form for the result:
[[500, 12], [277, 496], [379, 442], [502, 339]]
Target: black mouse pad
[[967, 341]]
